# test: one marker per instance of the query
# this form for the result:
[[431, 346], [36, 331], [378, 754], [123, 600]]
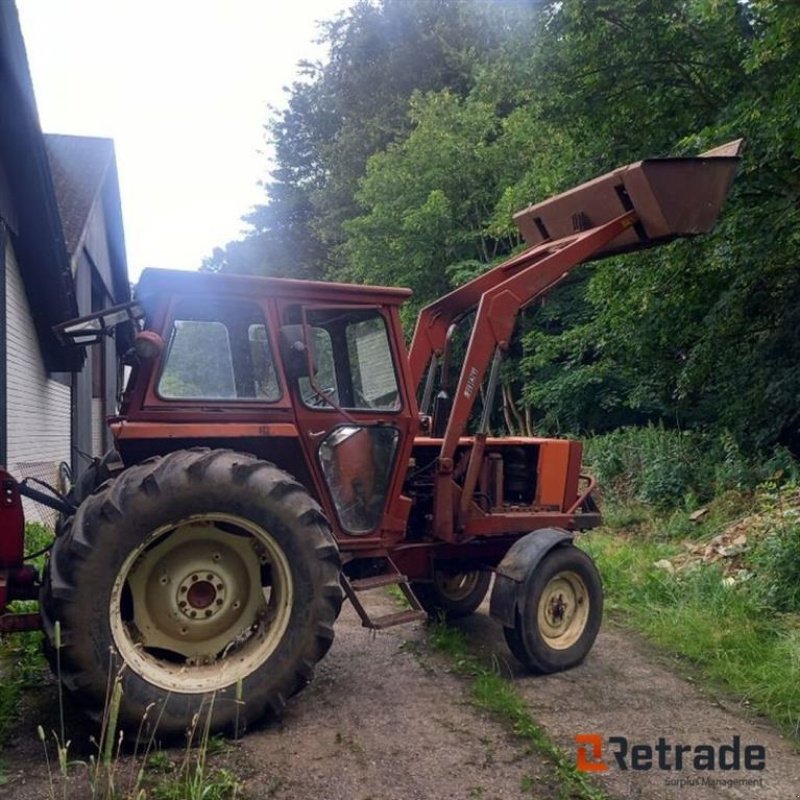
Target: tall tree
[[342, 111]]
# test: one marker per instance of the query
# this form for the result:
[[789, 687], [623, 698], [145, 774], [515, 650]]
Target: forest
[[401, 158]]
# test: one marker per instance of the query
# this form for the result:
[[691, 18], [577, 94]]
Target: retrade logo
[[590, 752], [666, 756]]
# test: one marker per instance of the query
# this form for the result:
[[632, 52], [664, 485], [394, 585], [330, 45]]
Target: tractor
[[279, 449]]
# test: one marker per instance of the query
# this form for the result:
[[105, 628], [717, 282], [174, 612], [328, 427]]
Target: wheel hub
[[457, 586], [212, 593], [201, 593], [563, 610], [557, 610]]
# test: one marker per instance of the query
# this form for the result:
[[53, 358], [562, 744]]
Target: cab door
[[350, 409]]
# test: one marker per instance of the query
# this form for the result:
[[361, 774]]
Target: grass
[[733, 633], [21, 661], [493, 693], [148, 774]]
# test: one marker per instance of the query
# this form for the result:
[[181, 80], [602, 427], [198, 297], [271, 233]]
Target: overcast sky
[[182, 86]]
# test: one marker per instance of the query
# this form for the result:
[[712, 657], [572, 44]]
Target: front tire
[[559, 613], [206, 580]]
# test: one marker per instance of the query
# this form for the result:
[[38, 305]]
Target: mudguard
[[519, 562]]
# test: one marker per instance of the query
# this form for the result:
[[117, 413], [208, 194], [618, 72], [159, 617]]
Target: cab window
[[218, 351], [352, 360]]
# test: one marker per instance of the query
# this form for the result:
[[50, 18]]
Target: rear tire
[[207, 581], [559, 614], [453, 594]]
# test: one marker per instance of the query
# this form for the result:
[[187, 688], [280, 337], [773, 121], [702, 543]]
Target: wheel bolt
[[220, 587], [182, 604], [183, 590], [194, 578], [209, 577], [209, 612], [219, 602], [192, 614]]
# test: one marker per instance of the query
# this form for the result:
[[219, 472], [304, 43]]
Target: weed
[[199, 784], [160, 761], [396, 593], [22, 666], [150, 774], [21, 653], [38, 539], [10, 693]]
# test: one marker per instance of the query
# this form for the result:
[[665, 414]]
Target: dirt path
[[381, 723], [384, 720]]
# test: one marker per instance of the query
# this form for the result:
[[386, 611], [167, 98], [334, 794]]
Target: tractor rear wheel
[[559, 613], [206, 582], [453, 594]]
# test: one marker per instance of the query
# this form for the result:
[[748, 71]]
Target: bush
[[669, 468], [775, 557]]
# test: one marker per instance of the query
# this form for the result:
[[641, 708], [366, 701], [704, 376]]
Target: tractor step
[[398, 618], [375, 581], [391, 577]]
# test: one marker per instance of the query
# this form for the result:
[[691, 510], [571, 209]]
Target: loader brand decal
[[598, 754], [471, 381]]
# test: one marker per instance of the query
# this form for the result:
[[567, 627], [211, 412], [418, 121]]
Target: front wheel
[[206, 580], [453, 594], [559, 612]]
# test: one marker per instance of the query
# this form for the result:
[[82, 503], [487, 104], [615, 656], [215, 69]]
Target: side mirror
[[294, 351], [148, 345]]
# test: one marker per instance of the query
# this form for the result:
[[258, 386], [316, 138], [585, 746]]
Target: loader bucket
[[671, 197]]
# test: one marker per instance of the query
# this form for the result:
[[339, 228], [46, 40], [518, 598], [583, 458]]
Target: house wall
[[98, 425], [37, 406]]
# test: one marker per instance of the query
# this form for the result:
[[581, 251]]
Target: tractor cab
[[312, 376]]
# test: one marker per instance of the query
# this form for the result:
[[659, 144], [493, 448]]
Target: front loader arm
[[491, 333], [430, 334]]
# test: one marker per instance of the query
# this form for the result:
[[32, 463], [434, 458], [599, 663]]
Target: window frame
[[260, 317]]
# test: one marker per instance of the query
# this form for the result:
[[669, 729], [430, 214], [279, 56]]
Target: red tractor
[[279, 449]]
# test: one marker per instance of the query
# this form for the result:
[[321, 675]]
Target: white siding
[[38, 407], [98, 426]]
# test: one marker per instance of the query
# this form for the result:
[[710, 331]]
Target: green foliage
[[776, 560], [774, 557], [10, 693], [356, 104], [198, 784], [37, 537], [667, 468]]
